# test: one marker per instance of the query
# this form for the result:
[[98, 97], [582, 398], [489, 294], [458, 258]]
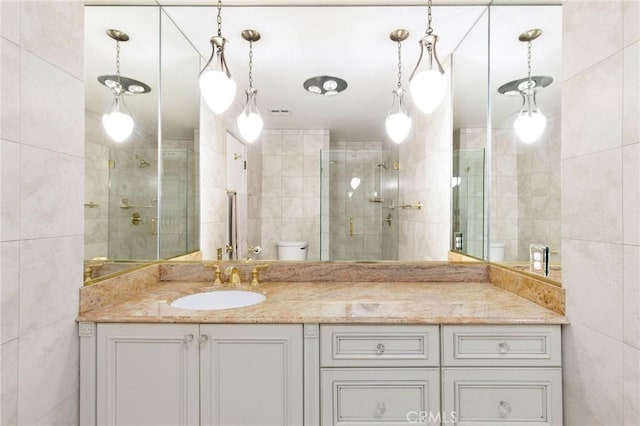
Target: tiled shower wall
[[180, 209], [468, 202], [42, 169], [601, 212], [108, 228], [360, 239], [290, 202]]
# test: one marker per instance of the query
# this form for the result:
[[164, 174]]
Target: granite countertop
[[329, 302]]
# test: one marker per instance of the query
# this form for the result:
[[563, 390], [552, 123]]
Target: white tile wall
[[42, 154], [601, 193], [290, 189]]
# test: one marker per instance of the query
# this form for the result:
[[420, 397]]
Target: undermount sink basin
[[214, 300]]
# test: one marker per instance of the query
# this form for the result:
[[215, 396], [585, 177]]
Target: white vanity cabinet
[[502, 374], [190, 374], [378, 374]]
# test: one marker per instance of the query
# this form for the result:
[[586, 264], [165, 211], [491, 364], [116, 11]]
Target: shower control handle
[[351, 227]]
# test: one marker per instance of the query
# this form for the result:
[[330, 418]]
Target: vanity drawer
[[510, 396], [501, 345], [384, 397], [379, 346]]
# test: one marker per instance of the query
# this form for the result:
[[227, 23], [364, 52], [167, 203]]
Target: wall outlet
[[539, 259]]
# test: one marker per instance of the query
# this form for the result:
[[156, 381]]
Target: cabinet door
[[251, 375], [147, 374]]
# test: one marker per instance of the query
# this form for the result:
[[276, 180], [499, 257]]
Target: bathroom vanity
[[445, 351]]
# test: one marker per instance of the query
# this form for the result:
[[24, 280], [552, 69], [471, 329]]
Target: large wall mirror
[[323, 171]]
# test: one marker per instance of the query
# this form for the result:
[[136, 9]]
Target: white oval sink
[[223, 299]]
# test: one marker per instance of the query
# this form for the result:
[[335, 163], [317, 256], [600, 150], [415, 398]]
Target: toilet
[[292, 250], [496, 252]]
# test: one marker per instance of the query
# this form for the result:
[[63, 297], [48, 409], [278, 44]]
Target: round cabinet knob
[[503, 348], [505, 408], [380, 409], [380, 349], [204, 339], [188, 338]]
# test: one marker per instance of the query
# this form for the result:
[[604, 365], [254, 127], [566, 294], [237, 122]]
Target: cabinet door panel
[[510, 396], [501, 345], [251, 375], [148, 374], [379, 345], [384, 397]]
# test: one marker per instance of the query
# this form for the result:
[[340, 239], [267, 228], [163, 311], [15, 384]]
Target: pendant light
[[249, 121], [217, 88], [117, 122], [398, 122], [428, 83], [531, 122]]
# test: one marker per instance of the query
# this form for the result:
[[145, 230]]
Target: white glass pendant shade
[[428, 83], [117, 122], [249, 121], [531, 122], [398, 122], [217, 88]]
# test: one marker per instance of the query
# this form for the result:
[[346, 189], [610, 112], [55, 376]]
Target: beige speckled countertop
[[329, 302]]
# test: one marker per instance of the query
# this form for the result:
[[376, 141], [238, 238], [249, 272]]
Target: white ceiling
[[301, 42]]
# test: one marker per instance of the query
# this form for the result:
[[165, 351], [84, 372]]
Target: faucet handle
[[217, 281], [254, 273]]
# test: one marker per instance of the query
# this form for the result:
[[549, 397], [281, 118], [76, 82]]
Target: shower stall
[[468, 202], [356, 221]]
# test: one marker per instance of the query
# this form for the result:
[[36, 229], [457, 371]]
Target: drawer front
[[384, 397], [483, 397], [501, 345], [379, 346]]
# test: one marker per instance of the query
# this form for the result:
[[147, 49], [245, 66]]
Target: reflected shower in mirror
[[432, 188]]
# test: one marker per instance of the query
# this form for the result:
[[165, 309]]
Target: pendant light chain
[[118, 60], [250, 65], [399, 64], [529, 82], [219, 18], [429, 17]]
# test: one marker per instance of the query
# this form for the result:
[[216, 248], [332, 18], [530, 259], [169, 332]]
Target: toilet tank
[[292, 250]]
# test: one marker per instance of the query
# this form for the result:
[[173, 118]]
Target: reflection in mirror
[[294, 191], [121, 178], [285, 181], [525, 177], [470, 139], [178, 225]]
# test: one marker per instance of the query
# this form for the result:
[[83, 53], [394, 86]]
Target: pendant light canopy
[[217, 88], [428, 83], [249, 121], [398, 122], [118, 123], [531, 122]]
